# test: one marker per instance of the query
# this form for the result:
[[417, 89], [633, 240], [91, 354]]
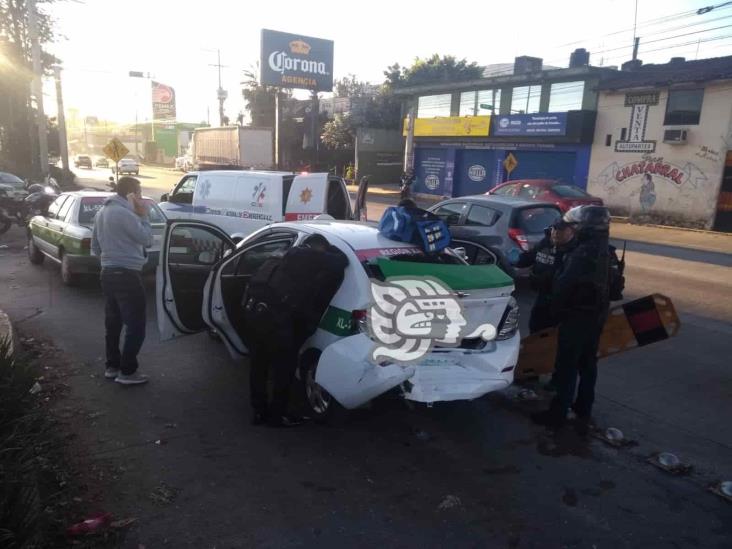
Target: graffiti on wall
[[638, 180], [708, 153]]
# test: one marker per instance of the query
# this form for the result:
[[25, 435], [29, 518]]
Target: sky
[[101, 41]]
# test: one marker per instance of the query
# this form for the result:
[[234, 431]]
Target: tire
[[67, 277], [35, 256], [319, 404]]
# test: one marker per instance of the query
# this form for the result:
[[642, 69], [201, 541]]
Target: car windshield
[[569, 191], [90, 205], [12, 180], [535, 220]]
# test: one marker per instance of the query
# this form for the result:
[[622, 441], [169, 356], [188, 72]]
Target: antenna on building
[[636, 40]]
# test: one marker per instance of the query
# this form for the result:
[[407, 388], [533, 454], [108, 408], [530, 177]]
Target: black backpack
[[616, 278]]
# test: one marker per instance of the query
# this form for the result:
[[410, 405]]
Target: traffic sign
[[115, 150], [510, 163]]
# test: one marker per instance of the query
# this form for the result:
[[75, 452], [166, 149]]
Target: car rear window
[[535, 219], [371, 257], [569, 191], [90, 205]]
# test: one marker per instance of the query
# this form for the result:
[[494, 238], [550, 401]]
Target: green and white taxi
[[203, 275], [64, 234]]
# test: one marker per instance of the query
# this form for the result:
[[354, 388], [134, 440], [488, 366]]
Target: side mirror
[[164, 197]]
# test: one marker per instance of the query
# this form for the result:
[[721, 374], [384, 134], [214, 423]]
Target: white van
[[240, 202]]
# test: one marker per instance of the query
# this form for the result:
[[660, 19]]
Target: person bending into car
[[121, 233], [580, 300], [283, 305]]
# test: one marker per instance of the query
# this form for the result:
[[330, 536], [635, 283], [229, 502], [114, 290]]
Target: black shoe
[[285, 421], [259, 418], [548, 419], [583, 425]]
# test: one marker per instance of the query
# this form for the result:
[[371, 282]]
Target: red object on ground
[[92, 524]]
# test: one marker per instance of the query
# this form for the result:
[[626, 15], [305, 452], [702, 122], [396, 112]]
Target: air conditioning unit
[[675, 137]]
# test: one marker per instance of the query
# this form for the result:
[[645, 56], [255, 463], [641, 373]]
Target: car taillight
[[359, 321], [518, 236], [86, 244], [509, 321]]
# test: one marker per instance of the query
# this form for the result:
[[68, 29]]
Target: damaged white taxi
[[203, 275]]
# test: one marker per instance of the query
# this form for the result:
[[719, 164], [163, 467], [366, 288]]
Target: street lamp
[[146, 76]]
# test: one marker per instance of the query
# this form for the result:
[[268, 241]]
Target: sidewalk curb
[[627, 221], [6, 331]]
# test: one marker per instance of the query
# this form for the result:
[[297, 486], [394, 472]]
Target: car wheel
[[67, 276], [319, 404], [35, 255]]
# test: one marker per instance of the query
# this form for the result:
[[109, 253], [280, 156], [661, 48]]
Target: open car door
[[307, 197], [223, 305], [189, 251]]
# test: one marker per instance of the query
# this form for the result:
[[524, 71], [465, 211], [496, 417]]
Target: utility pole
[[37, 87], [62, 142], [277, 130], [409, 146], [221, 93]]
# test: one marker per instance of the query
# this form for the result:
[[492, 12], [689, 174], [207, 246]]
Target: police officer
[[544, 260], [283, 305], [580, 301]]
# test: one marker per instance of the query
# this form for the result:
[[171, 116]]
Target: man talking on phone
[[121, 233]]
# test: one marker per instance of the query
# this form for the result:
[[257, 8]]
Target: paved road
[[382, 477]]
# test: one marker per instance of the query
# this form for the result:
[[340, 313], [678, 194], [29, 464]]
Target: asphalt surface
[[474, 474]]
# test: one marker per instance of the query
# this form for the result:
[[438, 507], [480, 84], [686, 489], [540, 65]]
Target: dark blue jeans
[[125, 306]]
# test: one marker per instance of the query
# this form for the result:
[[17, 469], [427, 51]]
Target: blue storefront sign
[[434, 168], [546, 123]]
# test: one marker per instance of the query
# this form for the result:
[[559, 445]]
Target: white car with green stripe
[[203, 275]]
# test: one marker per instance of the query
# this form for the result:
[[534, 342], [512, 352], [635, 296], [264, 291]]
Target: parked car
[[64, 234], [241, 202], [128, 165], [12, 187], [492, 228], [562, 194], [203, 276], [101, 162], [83, 161], [184, 163]]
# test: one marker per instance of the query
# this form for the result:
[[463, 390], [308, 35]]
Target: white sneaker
[[111, 373], [132, 379]]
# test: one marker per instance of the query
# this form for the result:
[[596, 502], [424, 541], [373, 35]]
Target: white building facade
[[661, 144]]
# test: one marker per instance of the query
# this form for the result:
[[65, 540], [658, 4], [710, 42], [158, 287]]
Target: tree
[[430, 70], [17, 134], [260, 99], [339, 133]]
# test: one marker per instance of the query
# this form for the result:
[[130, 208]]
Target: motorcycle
[[20, 211]]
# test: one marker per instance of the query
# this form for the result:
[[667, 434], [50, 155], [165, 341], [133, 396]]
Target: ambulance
[[241, 202]]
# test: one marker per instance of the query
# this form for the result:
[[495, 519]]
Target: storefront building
[[662, 141], [530, 124]]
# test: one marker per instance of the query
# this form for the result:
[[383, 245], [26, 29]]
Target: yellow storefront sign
[[451, 126]]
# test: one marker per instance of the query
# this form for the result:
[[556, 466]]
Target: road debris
[[164, 494], [723, 489], [670, 463], [450, 502], [92, 524], [35, 389]]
